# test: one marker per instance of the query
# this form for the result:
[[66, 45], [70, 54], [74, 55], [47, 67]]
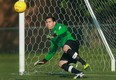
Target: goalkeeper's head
[[50, 22]]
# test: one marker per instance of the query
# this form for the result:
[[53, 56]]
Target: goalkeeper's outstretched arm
[[52, 51]]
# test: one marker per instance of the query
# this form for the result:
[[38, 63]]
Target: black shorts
[[74, 45]]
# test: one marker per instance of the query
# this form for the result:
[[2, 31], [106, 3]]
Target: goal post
[[101, 35], [21, 43], [79, 16]]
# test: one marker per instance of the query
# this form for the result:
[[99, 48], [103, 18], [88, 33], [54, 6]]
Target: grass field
[[9, 71]]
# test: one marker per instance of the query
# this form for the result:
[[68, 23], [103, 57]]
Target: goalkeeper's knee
[[62, 62]]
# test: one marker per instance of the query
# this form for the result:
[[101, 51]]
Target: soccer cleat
[[86, 66], [79, 75]]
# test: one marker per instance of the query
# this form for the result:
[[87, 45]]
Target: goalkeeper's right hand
[[40, 62]]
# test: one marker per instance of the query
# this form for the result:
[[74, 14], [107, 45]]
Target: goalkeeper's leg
[[78, 58], [73, 54], [71, 48], [64, 65]]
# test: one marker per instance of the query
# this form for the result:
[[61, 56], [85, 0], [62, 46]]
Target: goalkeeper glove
[[40, 62], [50, 36]]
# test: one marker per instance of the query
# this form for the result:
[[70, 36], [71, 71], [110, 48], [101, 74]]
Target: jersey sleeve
[[52, 51], [61, 29]]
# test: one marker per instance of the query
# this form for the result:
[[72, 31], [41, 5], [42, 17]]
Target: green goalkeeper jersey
[[62, 36]]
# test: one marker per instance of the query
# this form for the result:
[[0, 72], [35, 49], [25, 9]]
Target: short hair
[[53, 18]]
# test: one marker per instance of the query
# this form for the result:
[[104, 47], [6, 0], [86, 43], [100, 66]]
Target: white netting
[[106, 15], [75, 15]]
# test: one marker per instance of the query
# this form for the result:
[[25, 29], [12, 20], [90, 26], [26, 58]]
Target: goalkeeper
[[61, 37]]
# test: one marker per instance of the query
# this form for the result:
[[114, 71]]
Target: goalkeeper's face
[[50, 23]]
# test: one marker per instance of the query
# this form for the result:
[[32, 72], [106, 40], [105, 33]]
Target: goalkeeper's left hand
[[40, 62], [50, 36]]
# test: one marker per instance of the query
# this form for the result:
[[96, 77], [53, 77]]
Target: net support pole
[[21, 43], [101, 35]]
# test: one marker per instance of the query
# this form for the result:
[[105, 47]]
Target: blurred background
[[9, 37]]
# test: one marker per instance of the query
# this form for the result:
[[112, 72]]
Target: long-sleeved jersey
[[59, 41]]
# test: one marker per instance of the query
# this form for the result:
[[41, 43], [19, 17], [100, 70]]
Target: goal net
[[74, 14]]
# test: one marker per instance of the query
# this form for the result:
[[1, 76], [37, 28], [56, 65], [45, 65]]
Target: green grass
[[9, 71]]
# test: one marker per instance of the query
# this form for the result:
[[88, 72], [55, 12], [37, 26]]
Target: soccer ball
[[20, 6]]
